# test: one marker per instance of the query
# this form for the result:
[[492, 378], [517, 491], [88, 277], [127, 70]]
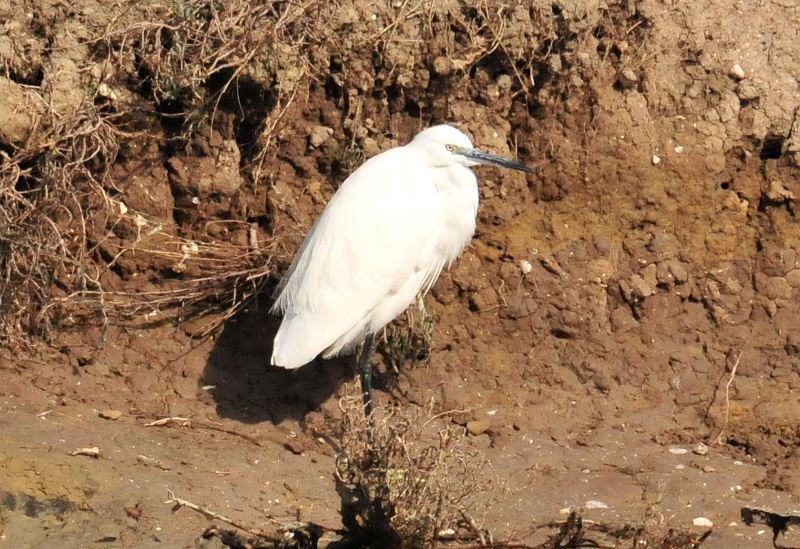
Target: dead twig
[[293, 534], [718, 439], [177, 503], [230, 432], [186, 422], [179, 421]]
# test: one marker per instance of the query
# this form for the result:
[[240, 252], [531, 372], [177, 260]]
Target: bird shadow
[[246, 388]]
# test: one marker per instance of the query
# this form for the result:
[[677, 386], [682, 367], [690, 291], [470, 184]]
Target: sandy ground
[[638, 296]]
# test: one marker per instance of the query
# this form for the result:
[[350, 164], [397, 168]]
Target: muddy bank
[[635, 297]]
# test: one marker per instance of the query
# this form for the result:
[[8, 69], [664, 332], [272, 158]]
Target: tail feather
[[295, 344]]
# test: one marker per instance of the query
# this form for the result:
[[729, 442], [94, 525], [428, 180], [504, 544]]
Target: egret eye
[[450, 148]]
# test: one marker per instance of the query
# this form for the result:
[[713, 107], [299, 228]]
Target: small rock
[[296, 446], [485, 299], [104, 90], [648, 274], [709, 469], [595, 504], [550, 263], [663, 276], [635, 288], [729, 106], [628, 78], [778, 193], [656, 159], [703, 521], [678, 270], [701, 449], [134, 512], [478, 427], [678, 451], [113, 415], [93, 452], [738, 72], [770, 307], [19, 112], [793, 278], [443, 65], [777, 288], [748, 91], [319, 135], [370, 146]]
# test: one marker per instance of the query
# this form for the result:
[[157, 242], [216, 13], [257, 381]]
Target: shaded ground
[[636, 297]]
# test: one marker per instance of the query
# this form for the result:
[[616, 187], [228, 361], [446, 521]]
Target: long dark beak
[[489, 159]]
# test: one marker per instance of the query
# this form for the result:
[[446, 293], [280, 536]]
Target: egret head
[[446, 146]]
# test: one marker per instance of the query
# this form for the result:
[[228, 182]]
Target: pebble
[[110, 414], [793, 278], [703, 521], [738, 71], [678, 451], [595, 504], [477, 427], [778, 192], [103, 90], [701, 449], [319, 135]]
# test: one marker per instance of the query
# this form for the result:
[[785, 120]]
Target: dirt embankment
[[638, 295]]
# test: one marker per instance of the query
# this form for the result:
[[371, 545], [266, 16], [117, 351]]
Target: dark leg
[[365, 370]]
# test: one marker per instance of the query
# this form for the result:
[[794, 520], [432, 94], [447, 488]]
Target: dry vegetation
[[409, 480], [166, 76], [412, 479], [171, 71], [409, 341]]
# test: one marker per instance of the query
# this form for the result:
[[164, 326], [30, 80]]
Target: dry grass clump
[[61, 205], [173, 68], [59, 255], [184, 45], [187, 54], [410, 480], [408, 339], [57, 265], [213, 279], [47, 192]]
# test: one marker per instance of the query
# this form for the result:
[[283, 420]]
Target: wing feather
[[369, 249]]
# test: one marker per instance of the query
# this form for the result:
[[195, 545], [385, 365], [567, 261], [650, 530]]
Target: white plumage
[[382, 239]]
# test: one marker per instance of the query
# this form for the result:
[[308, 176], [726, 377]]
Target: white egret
[[382, 239]]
